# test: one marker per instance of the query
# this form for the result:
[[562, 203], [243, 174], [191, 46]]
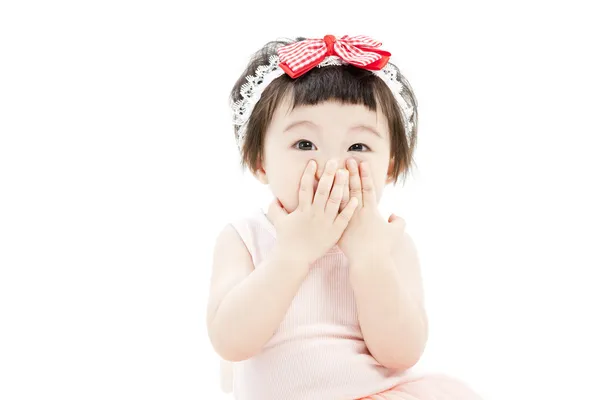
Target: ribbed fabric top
[[318, 352]]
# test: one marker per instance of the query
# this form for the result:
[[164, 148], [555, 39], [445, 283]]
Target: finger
[[307, 183], [335, 198], [324, 187], [393, 217], [344, 217], [368, 188], [355, 189], [346, 194], [398, 222]]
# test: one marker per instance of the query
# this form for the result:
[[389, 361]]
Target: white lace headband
[[299, 57]]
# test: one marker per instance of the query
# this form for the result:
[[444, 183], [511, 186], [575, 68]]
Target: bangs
[[346, 84]]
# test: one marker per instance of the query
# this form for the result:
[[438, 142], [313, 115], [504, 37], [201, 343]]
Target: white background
[[118, 168]]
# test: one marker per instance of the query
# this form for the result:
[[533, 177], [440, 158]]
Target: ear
[[261, 175], [390, 172]]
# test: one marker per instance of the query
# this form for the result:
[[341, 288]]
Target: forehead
[[330, 114]]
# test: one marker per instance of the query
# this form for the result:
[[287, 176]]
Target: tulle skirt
[[428, 387]]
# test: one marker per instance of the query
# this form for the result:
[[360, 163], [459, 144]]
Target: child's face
[[326, 131]]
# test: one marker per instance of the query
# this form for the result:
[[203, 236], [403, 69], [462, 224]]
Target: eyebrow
[[314, 126], [366, 128]]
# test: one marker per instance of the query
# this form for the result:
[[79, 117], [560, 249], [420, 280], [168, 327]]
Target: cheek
[[379, 169], [284, 179]]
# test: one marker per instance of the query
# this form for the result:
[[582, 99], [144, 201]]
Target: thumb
[[394, 219], [397, 222]]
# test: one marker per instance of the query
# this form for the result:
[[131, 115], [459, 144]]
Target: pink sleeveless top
[[318, 352]]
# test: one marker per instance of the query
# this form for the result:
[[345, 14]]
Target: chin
[[290, 203]]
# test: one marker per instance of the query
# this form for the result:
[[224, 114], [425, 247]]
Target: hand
[[317, 224], [368, 235]]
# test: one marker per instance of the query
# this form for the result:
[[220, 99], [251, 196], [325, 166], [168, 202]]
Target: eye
[[304, 145], [359, 147]]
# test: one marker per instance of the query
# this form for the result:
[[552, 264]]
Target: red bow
[[300, 57]]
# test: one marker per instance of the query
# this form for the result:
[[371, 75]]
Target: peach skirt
[[428, 387]]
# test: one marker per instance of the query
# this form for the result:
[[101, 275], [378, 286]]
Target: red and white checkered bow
[[300, 57]]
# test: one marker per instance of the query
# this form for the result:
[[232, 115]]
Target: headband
[[297, 58]]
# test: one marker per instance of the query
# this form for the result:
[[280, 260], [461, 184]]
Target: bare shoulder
[[406, 248], [406, 258], [229, 246], [231, 264]]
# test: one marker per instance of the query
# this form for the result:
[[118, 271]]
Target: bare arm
[[246, 305], [389, 299]]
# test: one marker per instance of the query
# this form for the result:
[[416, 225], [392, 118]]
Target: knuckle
[[344, 216], [335, 199]]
